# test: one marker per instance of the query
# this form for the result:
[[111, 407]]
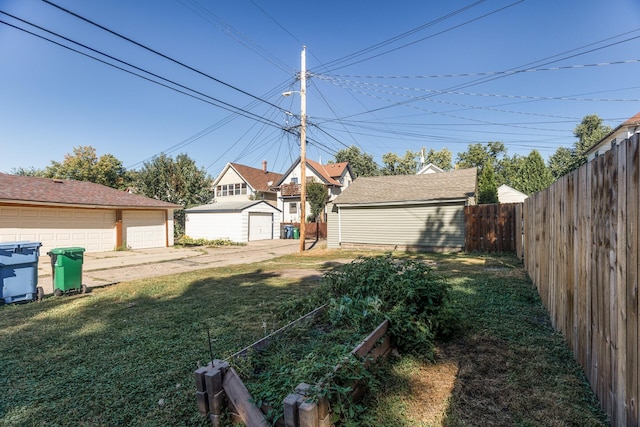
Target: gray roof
[[454, 185], [227, 206]]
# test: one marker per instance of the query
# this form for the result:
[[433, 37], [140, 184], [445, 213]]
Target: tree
[[589, 132], [176, 181], [84, 165], [441, 158], [487, 187], [317, 196], [532, 175], [361, 163], [392, 164], [31, 171], [478, 155]]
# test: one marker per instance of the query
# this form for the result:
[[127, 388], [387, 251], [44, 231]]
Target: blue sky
[[434, 75]]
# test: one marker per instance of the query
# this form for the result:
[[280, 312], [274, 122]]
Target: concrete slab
[[106, 268]]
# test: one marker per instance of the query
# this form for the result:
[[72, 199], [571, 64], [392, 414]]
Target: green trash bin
[[296, 233], [66, 265]]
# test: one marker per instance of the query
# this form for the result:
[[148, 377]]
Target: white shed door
[[144, 229], [92, 229], [260, 226]]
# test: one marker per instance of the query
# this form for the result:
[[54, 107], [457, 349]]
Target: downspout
[[339, 228]]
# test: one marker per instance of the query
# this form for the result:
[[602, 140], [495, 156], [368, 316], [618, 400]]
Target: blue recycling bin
[[19, 272], [288, 231]]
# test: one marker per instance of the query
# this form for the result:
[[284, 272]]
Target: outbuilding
[[63, 213], [408, 212], [235, 220]]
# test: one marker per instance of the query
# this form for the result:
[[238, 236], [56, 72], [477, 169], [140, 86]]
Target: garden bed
[[324, 355], [221, 389]]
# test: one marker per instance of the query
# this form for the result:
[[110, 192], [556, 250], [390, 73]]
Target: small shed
[[238, 221], [408, 212], [508, 194]]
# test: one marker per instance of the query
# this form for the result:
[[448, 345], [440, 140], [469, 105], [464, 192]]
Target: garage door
[[92, 229], [144, 229], [260, 226]]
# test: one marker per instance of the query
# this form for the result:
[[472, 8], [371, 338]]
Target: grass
[[125, 354]]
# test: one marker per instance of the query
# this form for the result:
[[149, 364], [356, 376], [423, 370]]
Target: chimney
[[264, 166]]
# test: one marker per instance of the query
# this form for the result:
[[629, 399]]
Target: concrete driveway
[[105, 268]]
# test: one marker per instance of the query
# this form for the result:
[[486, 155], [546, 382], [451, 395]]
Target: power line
[[160, 54], [428, 37], [485, 80], [234, 34], [487, 73], [364, 51], [216, 102]]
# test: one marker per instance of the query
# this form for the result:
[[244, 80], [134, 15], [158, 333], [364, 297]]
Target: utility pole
[[303, 146]]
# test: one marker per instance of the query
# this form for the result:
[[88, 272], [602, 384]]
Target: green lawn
[[125, 354]]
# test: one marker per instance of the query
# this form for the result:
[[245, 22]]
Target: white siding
[[508, 194], [213, 226], [231, 177], [260, 226], [431, 226], [333, 241], [229, 225], [144, 229], [92, 229]]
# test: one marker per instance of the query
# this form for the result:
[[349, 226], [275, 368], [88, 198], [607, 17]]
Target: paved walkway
[[105, 268]]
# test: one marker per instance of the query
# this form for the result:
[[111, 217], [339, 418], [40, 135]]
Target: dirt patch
[[300, 273], [482, 390], [431, 387]]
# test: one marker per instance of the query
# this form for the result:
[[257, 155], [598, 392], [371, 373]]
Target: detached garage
[[409, 212], [238, 221], [63, 213]]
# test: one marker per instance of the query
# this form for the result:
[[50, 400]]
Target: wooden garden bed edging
[[217, 385]]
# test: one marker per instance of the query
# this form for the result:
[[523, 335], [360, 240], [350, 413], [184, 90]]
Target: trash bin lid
[[65, 251], [7, 246]]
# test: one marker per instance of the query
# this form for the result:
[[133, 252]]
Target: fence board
[[632, 312], [493, 227], [581, 250]]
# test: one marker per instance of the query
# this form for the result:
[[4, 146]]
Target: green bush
[[409, 294], [189, 241], [358, 297]]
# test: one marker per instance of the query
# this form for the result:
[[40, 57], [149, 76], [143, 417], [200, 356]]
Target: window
[[293, 208], [294, 180], [231, 190]]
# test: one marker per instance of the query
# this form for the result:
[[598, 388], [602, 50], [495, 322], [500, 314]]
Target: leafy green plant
[[358, 296], [190, 241]]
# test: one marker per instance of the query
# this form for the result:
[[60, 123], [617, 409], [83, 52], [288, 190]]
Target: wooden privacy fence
[[581, 251], [313, 230], [493, 228]]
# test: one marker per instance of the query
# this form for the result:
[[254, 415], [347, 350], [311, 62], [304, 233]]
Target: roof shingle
[[257, 178], [457, 184], [31, 190]]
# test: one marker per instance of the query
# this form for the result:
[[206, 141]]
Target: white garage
[[64, 213], [238, 221], [144, 229], [92, 229]]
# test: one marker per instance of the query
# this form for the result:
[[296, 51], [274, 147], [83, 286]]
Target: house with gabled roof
[[621, 133], [334, 176], [409, 212], [243, 209], [429, 168], [63, 213], [240, 182]]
